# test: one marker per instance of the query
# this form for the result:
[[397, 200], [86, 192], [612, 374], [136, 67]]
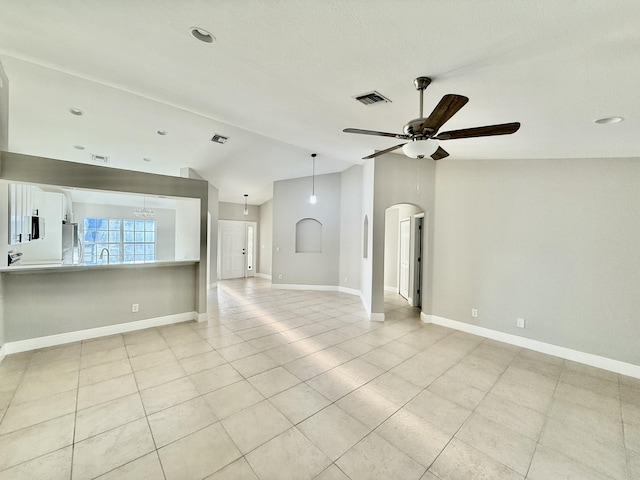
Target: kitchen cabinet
[[48, 248], [22, 206]]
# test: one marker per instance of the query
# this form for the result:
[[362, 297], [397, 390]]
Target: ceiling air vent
[[219, 138], [372, 98], [99, 158]]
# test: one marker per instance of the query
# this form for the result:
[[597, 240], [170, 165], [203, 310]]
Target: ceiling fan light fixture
[[420, 148]]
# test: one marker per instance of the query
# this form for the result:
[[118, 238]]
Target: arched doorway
[[403, 259]]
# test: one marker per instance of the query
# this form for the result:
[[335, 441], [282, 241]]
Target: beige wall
[[235, 211], [398, 179], [36, 288], [265, 238], [290, 205], [552, 241], [53, 302]]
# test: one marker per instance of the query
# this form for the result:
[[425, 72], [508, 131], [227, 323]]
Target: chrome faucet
[[102, 254]]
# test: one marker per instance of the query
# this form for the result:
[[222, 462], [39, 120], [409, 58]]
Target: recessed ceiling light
[[162, 132], [202, 35], [78, 147], [147, 159], [606, 120], [75, 111]]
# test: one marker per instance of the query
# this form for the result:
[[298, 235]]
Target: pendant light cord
[[313, 174]]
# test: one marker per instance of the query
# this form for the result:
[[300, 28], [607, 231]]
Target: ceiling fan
[[423, 132]]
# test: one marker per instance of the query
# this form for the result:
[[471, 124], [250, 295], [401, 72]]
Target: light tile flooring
[[299, 385]]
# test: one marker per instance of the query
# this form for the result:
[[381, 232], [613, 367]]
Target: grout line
[[146, 417]]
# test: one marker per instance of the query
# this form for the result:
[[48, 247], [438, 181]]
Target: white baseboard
[[2, 353], [263, 275], [597, 361], [387, 288], [376, 317], [62, 338], [350, 291], [202, 317]]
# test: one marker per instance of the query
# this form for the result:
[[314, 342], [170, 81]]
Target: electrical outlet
[[520, 322], [474, 312], [345, 279], [135, 308], [279, 276]]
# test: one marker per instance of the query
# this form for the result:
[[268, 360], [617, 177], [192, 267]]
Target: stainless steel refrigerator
[[71, 244]]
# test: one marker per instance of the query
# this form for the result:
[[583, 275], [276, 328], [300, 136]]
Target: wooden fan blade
[[447, 108], [439, 153], [373, 132], [503, 129], [382, 152]]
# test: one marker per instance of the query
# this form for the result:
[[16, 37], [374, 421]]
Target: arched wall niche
[[308, 236]]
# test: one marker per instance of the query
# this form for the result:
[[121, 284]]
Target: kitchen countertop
[[78, 267]]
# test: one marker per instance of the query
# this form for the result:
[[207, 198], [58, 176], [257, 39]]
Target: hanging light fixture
[[312, 198], [420, 148], [246, 207], [144, 212]]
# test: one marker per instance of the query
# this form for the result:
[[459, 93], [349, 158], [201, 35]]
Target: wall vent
[[371, 98], [217, 138], [99, 158]]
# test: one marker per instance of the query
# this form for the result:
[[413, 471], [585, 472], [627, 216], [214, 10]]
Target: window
[[114, 240], [249, 247]]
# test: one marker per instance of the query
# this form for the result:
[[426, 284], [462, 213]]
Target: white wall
[[187, 243], [265, 238], [165, 224], [366, 264], [212, 226], [391, 261], [212, 238], [351, 235], [291, 204], [552, 241]]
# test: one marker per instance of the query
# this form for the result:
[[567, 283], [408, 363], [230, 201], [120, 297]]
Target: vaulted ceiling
[[280, 77]]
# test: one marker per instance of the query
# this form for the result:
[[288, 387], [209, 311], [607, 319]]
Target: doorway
[[405, 256], [237, 247], [403, 252]]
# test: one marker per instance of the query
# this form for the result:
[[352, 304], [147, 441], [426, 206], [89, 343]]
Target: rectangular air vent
[[219, 138], [372, 98], [99, 158]]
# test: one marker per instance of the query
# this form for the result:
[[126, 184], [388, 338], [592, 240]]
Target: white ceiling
[[279, 80]]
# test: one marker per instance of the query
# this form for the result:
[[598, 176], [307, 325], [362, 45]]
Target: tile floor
[[299, 385]]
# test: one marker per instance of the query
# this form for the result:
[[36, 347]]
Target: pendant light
[[312, 198], [246, 207], [144, 212]]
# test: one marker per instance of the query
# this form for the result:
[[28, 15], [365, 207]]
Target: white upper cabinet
[[22, 206]]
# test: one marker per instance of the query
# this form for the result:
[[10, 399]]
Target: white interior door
[[405, 245], [232, 249]]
